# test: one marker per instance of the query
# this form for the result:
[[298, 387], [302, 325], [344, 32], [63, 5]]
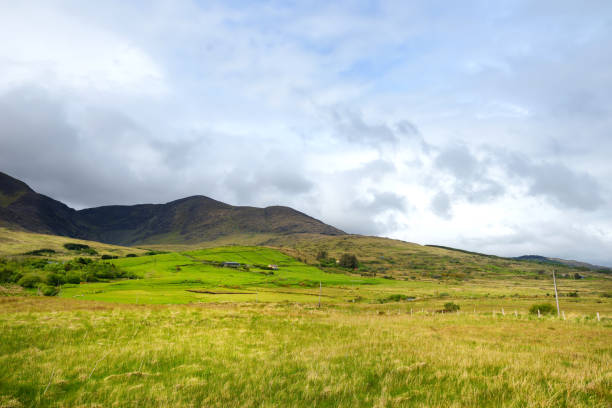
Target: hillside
[[13, 243], [188, 220]]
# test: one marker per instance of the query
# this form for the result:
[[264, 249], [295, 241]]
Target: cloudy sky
[[474, 124]]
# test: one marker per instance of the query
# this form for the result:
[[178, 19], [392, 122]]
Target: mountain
[[23, 208], [188, 220]]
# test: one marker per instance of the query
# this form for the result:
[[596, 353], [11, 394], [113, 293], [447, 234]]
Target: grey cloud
[[94, 162], [441, 205], [353, 127], [407, 128], [470, 175], [564, 187], [382, 201], [375, 169], [458, 161], [248, 186]]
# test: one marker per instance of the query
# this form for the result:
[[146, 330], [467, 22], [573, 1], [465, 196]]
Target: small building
[[231, 264], [273, 267]]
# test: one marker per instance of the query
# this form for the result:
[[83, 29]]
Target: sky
[[480, 125]]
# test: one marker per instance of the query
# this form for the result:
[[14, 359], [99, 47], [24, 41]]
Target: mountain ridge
[[184, 220]]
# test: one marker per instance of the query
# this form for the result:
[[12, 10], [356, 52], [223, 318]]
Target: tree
[[321, 255], [451, 307], [349, 261]]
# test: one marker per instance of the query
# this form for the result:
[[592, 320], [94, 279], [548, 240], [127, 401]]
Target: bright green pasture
[[176, 278]]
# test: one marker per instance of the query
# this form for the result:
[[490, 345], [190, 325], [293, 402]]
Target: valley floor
[[70, 352]]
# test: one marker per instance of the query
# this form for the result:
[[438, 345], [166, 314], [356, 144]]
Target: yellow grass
[[58, 352], [19, 242]]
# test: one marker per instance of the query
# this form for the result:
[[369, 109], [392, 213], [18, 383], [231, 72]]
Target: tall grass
[[58, 352]]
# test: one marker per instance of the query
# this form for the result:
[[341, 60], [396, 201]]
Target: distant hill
[[559, 261], [538, 259], [188, 220]]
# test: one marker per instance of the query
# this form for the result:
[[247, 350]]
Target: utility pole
[[556, 294]]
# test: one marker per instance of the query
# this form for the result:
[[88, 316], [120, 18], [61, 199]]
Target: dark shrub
[[7, 275], [451, 307], [131, 256], [106, 256], [29, 281], [38, 263], [155, 252], [349, 261], [40, 252], [544, 308], [572, 294], [395, 298], [83, 261], [75, 247], [322, 254]]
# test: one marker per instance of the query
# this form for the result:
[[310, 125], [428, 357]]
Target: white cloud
[[52, 48]]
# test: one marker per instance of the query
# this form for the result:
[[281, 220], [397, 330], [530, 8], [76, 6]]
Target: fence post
[[563, 313], [515, 313], [598, 317], [503, 312], [556, 294], [539, 315]]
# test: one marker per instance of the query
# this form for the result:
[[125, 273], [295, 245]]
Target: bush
[[47, 290], [29, 280], [131, 256], [82, 248], [395, 298], [75, 247], [544, 308], [321, 255], [7, 275], [73, 277], [155, 252], [54, 279], [451, 307], [327, 262], [349, 261], [40, 252], [105, 256]]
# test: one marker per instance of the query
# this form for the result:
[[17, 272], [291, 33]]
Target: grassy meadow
[[63, 352], [185, 331]]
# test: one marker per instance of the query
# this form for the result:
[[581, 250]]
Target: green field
[[188, 332]]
